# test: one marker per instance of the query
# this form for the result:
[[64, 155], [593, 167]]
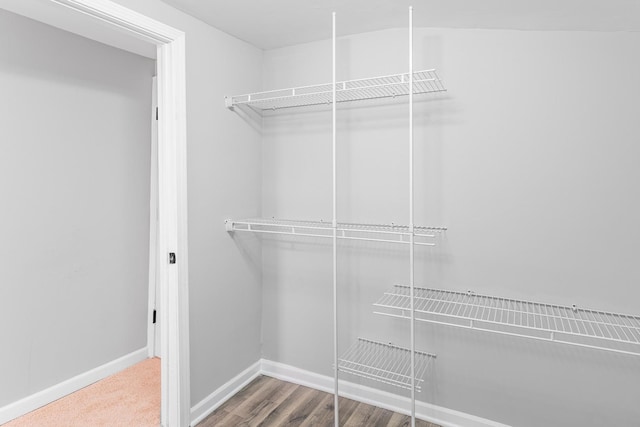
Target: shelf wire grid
[[385, 363], [426, 81], [516, 317], [388, 233]]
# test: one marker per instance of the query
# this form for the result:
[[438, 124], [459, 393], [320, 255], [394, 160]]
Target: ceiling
[[270, 24]]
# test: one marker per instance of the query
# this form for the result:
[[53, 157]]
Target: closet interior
[[407, 368], [425, 214]]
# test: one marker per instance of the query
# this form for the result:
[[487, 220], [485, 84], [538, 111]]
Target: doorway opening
[[121, 25]]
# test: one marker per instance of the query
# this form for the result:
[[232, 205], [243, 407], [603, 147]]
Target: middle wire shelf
[[388, 233], [385, 363]]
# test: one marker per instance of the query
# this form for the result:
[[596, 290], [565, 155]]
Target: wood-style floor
[[270, 402]]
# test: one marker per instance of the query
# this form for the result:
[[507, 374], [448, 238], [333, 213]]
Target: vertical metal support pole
[[412, 235], [336, 414]]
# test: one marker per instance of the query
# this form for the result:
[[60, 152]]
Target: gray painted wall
[[530, 159], [224, 166], [74, 223]]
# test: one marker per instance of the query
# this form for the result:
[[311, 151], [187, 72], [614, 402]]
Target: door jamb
[[152, 321], [172, 194]]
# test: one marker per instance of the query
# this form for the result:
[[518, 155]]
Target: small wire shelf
[[385, 363], [426, 81], [388, 233], [569, 325]]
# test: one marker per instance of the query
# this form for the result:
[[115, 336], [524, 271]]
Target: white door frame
[[172, 195]]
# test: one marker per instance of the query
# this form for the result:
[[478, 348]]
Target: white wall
[[224, 158], [74, 223], [530, 159]]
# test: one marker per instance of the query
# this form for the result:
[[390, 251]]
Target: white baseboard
[[48, 395], [210, 403], [425, 411]]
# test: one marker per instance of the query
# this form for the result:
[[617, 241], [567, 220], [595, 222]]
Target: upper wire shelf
[[426, 81], [389, 233], [570, 325], [385, 363]]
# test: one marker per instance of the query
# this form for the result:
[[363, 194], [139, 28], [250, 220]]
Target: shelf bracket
[[228, 225], [228, 102]]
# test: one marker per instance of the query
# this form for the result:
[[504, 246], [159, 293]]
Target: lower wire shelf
[[385, 363], [569, 325]]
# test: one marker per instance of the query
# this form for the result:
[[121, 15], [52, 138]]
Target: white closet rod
[[334, 224], [411, 225]]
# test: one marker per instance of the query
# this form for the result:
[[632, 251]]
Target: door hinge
[[154, 317], [172, 257], [156, 113]]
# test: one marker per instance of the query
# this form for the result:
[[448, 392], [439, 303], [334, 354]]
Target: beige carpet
[[129, 398]]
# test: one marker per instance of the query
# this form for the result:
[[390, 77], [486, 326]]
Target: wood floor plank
[[360, 416], [346, 408], [396, 420], [283, 392], [267, 402], [259, 397], [244, 394], [380, 417], [221, 418], [274, 400], [304, 409], [281, 413], [322, 415]]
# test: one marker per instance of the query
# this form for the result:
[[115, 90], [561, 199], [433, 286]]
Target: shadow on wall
[[53, 57]]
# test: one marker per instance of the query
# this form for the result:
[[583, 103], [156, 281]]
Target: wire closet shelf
[[426, 81], [388, 233], [385, 363], [569, 325]]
